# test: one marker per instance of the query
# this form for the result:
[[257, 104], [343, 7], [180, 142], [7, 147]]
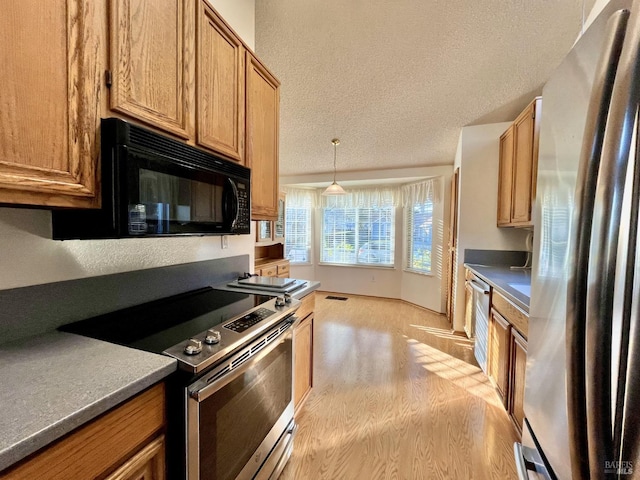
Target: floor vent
[[332, 297]]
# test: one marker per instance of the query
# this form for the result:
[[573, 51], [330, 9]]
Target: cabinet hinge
[[108, 78], [533, 114]]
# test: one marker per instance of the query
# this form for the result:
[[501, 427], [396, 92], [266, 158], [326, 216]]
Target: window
[[358, 235], [297, 242], [419, 228]]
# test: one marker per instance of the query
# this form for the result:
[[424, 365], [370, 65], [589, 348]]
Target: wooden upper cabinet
[[505, 177], [262, 124], [151, 45], [51, 87], [519, 168], [220, 86], [526, 131]]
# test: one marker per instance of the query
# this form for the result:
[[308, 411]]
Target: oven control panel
[[249, 320], [209, 347]]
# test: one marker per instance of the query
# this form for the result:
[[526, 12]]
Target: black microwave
[[153, 185]]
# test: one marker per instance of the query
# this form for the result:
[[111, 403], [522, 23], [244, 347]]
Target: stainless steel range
[[230, 406]]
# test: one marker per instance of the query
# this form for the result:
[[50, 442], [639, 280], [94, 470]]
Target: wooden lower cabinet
[[147, 464], [303, 352], [507, 354], [126, 443], [499, 342], [518, 369]]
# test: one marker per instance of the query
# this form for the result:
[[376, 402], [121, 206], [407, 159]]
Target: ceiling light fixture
[[334, 188]]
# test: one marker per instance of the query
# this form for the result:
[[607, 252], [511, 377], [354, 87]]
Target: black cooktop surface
[[158, 325]]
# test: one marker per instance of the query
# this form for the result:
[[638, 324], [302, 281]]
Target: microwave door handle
[[231, 207], [586, 181]]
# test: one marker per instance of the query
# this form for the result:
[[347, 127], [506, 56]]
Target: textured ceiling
[[397, 80]]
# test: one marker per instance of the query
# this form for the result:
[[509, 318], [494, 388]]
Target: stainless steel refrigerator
[[582, 394]]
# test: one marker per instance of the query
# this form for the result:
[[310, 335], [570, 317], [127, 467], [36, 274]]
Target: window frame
[[408, 226], [391, 227], [309, 232]]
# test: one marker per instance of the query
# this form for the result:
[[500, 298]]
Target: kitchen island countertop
[[55, 382], [515, 285]]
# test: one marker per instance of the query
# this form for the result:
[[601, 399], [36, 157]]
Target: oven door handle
[[208, 390], [285, 453]]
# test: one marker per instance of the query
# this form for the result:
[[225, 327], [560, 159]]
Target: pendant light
[[334, 188]]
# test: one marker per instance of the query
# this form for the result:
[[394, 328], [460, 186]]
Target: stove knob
[[213, 337], [193, 347], [287, 298], [280, 302]]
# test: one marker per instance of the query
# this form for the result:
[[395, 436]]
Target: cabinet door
[[220, 86], [505, 177], [152, 61], [147, 464], [264, 232], [303, 360], [499, 340], [51, 78], [518, 368], [524, 169], [262, 123]]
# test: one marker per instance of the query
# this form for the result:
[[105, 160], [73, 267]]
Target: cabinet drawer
[[283, 268], [308, 305], [511, 313], [269, 271]]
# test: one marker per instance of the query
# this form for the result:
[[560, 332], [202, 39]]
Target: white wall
[[28, 256], [241, 15], [425, 290], [478, 158]]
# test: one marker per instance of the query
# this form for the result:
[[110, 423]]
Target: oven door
[[235, 420]]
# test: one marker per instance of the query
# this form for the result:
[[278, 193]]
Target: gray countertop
[[513, 284], [55, 382]]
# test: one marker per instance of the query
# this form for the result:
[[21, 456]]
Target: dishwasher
[[477, 317]]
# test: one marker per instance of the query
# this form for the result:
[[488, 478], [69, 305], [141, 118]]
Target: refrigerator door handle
[[586, 183], [607, 222]]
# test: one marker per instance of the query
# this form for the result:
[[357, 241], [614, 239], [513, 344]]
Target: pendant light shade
[[334, 188]]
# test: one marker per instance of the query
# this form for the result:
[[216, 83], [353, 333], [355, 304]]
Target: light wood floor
[[396, 396]]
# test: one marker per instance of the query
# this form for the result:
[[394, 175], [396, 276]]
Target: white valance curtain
[[301, 197], [421, 192], [369, 197], [363, 198]]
